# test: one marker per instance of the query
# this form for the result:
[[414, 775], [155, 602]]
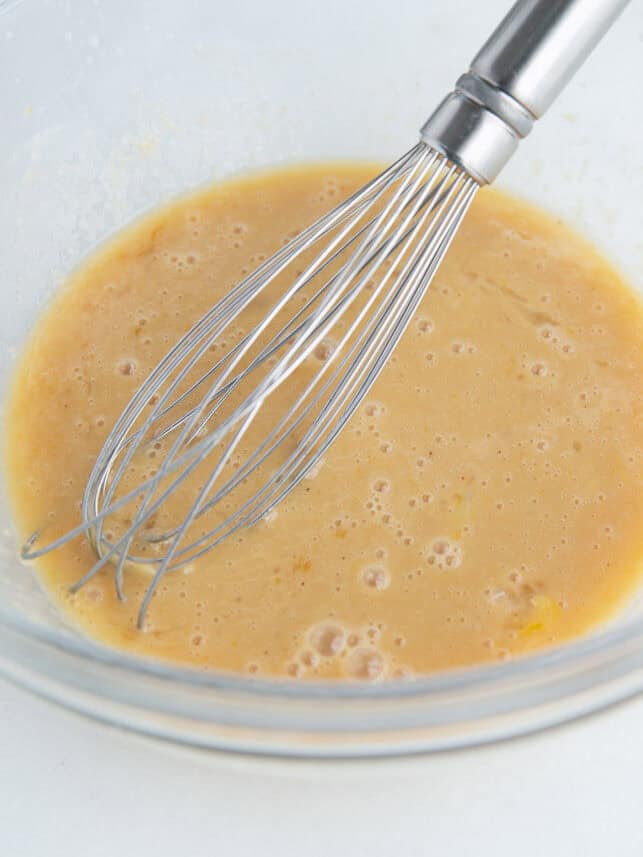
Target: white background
[[70, 787]]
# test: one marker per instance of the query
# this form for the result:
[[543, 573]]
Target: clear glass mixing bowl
[[108, 108]]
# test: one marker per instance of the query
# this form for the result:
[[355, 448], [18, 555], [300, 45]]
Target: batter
[[484, 501]]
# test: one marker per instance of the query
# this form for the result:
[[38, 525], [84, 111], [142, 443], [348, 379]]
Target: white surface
[[71, 787]]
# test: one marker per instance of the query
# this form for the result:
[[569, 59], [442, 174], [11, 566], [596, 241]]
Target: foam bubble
[[309, 659], [372, 409], [270, 516], [365, 664], [382, 486], [324, 350], [126, 367], [445, 553], [328, 639], [376, 577]]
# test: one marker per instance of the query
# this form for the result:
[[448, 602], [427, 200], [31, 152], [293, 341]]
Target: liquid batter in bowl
[[484, 501]]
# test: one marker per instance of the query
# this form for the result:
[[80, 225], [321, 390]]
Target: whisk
[[343, 290]]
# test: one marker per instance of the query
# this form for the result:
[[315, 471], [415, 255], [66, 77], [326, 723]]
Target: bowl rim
[[573, 655], [325, 719], [575, 660]]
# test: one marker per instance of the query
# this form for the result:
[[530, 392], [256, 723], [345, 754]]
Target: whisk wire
[[375, 255], [240, 298], [311, 334]]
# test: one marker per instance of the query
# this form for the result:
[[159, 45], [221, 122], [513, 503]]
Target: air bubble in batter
[[376, 577], [444, 553], [365, 664], [327, 639]]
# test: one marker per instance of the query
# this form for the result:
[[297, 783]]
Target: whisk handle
[[514, 78], [540, 44]]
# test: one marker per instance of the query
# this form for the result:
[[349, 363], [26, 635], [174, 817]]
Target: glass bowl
[[110, 108]]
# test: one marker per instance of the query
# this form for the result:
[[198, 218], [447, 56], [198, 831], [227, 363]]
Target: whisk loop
[[350, 284], [352, 279]]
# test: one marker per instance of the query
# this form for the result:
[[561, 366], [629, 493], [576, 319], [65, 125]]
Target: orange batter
[[485, 499]]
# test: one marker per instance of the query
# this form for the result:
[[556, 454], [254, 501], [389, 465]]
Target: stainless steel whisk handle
[[514, 78]]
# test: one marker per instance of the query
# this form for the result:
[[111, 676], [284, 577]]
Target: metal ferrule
[[513, 79], [473, 136]]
